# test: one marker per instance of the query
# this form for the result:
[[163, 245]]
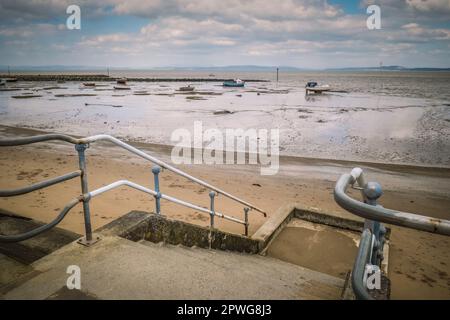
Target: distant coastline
[[232, 68]]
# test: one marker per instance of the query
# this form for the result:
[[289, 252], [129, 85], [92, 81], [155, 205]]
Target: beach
[[419, 261], [396, 126]]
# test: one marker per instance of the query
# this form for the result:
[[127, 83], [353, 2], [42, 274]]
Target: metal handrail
[[39, 185], [372, 238], [136, 186], [378, 213], [363, 258], [87, 140], [80, 146], [43, 228]]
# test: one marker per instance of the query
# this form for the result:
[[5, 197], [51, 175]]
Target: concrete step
[[16, 258], [258, 268], [11, 270], [116, 268]]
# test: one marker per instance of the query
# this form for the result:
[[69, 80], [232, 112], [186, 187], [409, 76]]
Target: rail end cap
[[356, 172], [373, 190], [156, 169]]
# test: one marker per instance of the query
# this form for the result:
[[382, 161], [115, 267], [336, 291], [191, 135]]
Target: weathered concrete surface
[[11, 269], [138, 225], [116, 268], [15, 258], [273, 225], [35, 248]]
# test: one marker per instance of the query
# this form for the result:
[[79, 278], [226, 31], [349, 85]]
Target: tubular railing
[[80, 146], [370, 253]]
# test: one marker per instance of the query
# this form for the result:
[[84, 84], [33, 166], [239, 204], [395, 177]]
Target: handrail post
[[372, 192], [212, 194], [88, 239], [246, 220], [156, 170]]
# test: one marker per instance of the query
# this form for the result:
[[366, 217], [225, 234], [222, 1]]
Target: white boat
[[316, 88]]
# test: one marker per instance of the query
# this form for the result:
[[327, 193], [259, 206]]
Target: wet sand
[[319, 247], [419, 262]]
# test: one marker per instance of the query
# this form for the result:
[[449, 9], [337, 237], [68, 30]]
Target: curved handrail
[[87, 140], [39, 185], [364, 252], [99, 191], [39, 230], [378, 213]]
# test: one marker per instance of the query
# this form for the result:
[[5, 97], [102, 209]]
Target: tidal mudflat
[[397, 125]]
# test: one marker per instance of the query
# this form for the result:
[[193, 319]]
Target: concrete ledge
[[123, 224], [138, 225], [315, 215], [270, 229], [273, 225]]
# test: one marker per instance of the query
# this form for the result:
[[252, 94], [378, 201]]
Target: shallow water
[[384, 117]]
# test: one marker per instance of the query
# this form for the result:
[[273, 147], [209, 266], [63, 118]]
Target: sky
[[313, 34]]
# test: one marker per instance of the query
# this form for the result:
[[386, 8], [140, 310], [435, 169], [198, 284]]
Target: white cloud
[[230, 29], [442, 6]]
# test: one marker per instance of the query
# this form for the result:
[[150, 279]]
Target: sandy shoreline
[[419, 262]]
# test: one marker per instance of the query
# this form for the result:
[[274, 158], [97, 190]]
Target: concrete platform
[[116, 268]]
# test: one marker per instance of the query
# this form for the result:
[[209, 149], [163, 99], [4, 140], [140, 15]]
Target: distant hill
[[242, 68], [387, 68], [236, 68]]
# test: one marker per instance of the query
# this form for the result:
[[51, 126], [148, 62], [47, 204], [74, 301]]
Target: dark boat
[[188, 88], [234, 83]]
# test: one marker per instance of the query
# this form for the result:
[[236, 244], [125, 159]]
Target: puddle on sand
[[317, 247]]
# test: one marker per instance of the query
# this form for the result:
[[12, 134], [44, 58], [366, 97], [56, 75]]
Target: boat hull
[[233, 84]]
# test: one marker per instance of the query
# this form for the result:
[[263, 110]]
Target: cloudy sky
[[158, 33]]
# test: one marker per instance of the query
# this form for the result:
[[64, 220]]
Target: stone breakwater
[[101, 77]]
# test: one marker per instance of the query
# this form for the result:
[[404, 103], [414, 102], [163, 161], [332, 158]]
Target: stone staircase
[[116, 268]]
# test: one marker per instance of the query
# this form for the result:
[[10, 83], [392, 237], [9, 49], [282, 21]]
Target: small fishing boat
[[314, 87], [89, 84], [234, 83], [121, 87], [2, 83], [188, 88], [10, 79], [122, 81]]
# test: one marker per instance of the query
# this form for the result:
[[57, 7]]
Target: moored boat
[[314, 87], [234, 83], [122, 81], [188, 88], [121, 87], [89, 84]]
